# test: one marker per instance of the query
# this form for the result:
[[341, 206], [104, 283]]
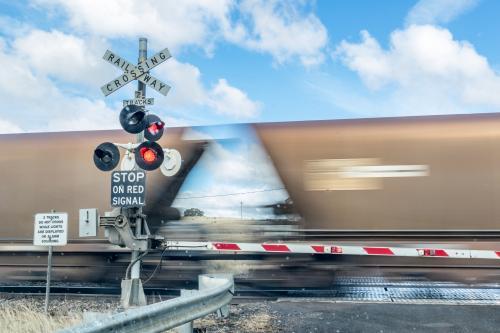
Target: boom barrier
[[332, 249]]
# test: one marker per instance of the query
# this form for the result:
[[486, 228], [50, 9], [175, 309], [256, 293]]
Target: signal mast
[[126, 225]]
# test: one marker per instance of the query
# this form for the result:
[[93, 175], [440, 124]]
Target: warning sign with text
[[51, 229], [128, 188]]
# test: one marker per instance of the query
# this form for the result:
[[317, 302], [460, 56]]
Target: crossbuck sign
[[133, 72]]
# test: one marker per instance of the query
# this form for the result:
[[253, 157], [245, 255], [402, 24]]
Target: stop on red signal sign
[[128, 189]]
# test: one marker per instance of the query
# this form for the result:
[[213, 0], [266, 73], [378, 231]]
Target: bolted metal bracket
[[119, 232], [127, 146], [118, 229]]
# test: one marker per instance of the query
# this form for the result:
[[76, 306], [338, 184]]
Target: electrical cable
[[156, 268], [133, 262], [229, 194], [161, 261]]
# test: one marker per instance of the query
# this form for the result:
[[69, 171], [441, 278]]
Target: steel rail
[[334, 233], [165, 315]]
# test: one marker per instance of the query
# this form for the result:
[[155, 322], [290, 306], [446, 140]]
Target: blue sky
[[247, 61]]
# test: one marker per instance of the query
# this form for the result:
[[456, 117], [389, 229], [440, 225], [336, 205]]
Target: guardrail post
[[187, 327], [207, 281]]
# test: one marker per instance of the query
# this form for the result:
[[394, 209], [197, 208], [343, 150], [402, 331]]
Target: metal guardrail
[[215, 292]]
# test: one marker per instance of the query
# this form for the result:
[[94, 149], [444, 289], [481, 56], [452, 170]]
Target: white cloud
[[284, 30], [427, 71], [186, 81], [172, 23], [83, 114], [54, 76], [33, 102], [63, 56], [438, 11], [231, 101], [8, 127], [189, 90], [13, 27], [367, 59], [53, 84]]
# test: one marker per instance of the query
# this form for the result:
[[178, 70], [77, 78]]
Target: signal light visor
[[106, 156], [133, 119]]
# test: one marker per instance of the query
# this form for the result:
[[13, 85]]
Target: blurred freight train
[[432, 173]]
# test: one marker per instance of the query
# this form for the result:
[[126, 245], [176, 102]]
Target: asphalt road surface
[[299, 317]]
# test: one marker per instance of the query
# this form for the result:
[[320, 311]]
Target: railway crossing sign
[[51, 229], [128, 189], [132, 72]]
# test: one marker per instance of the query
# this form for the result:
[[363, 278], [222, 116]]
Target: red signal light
[[156, 127], [148, 154]]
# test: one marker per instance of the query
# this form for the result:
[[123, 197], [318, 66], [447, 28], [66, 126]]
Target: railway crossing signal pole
[[126, 225], [135, 290]]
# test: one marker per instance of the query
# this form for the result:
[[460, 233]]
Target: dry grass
[[26, 314], [246, 318], [261, 323], [29, 317]]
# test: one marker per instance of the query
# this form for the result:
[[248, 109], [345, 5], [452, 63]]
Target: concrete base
[[132, 293]]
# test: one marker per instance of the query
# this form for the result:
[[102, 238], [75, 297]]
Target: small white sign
[[51, 229], [138, 101], [89, 218]]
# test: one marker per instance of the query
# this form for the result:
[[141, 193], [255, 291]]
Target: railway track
[[271, 275], [347, 290], [264, 231], [260, 231]]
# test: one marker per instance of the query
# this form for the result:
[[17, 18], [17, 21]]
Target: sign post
[[133, 287], [47, 286], [51, 229]]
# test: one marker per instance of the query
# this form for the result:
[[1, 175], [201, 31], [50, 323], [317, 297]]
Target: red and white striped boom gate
[[298, 248]]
